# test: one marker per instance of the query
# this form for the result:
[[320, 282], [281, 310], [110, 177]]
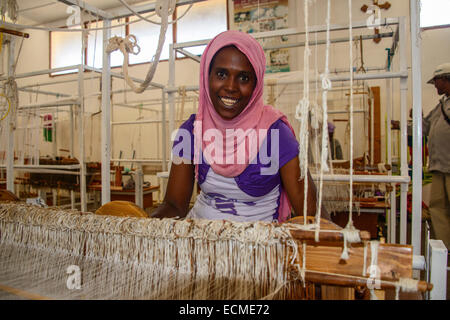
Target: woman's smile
[[229, 102], [232, 80]]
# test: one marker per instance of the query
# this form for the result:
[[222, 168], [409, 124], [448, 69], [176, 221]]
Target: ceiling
[[41, 12]]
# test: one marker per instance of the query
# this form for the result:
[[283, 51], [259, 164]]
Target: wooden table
[[119, 193]]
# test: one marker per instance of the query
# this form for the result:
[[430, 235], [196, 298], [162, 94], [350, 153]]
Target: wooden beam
[[394, 261], [15, 33], [22, 293], [376, 125]]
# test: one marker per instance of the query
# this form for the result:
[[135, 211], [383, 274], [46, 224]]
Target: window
[[65, 50], [203, 21], [147, 36], [95, 44], [434, 13], [66, 47]]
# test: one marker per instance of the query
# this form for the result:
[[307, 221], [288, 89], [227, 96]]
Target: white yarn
[[364, 272], [158, 9], [10, 8], [302, 114], [326, 85], [406, 285], [350, 28], [349, 229], [352, 236], [374, 245], [127, 45]]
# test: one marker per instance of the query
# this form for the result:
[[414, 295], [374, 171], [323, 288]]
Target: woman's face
[[231, 82]]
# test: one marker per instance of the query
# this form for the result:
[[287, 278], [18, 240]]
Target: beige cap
[[441, 70]]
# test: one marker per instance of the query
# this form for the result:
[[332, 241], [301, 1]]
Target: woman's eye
[[220, 74], [244, 78]]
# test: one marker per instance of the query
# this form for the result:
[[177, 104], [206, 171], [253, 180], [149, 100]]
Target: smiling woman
[[242, 153], [231, 82]]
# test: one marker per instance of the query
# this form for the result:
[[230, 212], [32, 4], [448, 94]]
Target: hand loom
[[146, 258]]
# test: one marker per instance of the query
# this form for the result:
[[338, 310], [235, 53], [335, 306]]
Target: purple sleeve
[[288, 144], [183, 145]]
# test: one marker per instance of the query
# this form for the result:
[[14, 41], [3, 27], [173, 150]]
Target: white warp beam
[[59, 254]]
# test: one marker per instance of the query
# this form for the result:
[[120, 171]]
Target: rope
[[127, 45], [3, 116], [374, 245], [303, 107], [350, 220], [18, 55], [352, 236], [56, 29], [326, 85], [10, 8], [158, 8], [349, 228], [405, 285]]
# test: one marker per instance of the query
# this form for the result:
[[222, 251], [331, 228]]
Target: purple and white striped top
[[250, 196]]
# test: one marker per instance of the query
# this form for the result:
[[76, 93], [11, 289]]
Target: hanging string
[[10, 8], [349, 228], [127, 45], [302, 114], [326, 85], [172, 3], [405, 285], [374, 273], [140, 18], [350, 29]]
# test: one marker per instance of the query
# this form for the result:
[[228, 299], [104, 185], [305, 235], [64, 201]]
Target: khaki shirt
[[438, 132]]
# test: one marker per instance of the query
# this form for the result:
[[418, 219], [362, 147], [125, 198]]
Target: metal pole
[[392, 233], [139, 181], [171, 95], [163, 133], [417, 127], [438, 269], [106, 116], [83, 198], [372, 129], [54, 143], [43, 72], [392, 213], [10, 128], [403, 131]]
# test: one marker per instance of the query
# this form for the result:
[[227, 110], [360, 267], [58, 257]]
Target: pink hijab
[[255, 116]]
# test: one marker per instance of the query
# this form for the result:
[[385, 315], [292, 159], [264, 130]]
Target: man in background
[[335, 146], [436, 125]]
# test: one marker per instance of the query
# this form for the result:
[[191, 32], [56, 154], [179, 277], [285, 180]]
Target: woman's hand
[[178, 193]]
